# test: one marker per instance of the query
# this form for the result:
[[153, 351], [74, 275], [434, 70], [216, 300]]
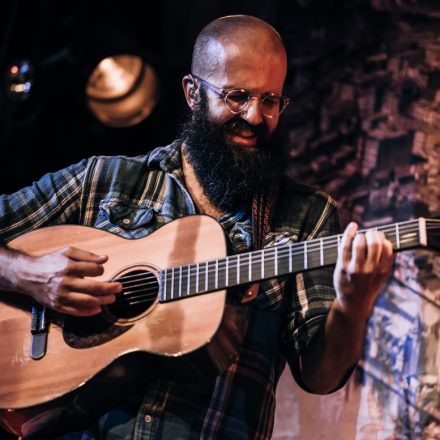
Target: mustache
[[238, 124]]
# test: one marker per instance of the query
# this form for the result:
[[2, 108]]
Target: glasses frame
[[223, 93]]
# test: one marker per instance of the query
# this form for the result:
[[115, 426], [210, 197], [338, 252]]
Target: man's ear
[[191, 91]]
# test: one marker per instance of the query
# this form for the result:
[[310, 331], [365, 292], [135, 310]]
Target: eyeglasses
[[238, 100]]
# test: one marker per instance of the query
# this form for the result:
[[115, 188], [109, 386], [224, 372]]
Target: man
[[223, 159]]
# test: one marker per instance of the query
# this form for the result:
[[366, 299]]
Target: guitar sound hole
[[140, 289]]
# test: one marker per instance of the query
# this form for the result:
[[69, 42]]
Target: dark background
[[54, 128]]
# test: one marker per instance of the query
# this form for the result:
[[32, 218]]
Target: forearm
[[9, 276], [335, 349], [61, 280], [364, 263]]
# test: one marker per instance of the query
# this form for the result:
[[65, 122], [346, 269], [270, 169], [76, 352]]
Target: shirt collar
[[167, 158]]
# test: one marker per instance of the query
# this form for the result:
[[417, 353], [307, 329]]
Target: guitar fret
[[250, 268], [188, 280], [216, 274], [238, 269], [165, 276], [290, 257], [227, 272], [305, 255], [180, 281], [172, 283], [206, 276], [421, 232], [262, 263], [397, 236], [197, 278], [276, 261], [321, 252]]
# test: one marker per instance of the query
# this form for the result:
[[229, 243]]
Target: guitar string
[[270, 256], [143, 298], [145, 293], [189, 274], [312, 247], [282, 252]]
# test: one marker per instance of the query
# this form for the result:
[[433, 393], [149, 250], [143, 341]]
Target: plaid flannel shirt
[[133, 197]]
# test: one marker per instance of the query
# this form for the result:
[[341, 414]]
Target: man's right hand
[[57, 280]]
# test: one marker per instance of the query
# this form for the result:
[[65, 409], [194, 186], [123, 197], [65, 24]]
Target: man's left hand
[[364, 263]]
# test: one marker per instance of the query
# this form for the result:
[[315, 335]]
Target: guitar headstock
[[432, 231], [412, 234]]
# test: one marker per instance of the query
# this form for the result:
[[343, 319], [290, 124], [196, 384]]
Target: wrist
[[352, 315], [11, 264]]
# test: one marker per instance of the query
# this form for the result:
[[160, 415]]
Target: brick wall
[[365, 126]]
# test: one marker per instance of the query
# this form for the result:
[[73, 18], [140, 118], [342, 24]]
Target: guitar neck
[[193, 279]]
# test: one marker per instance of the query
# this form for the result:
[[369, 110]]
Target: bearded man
[[224, 158]]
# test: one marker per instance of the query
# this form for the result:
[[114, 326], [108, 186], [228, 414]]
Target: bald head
[[234, 34]]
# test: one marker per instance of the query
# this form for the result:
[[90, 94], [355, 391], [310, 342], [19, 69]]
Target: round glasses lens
[[271, 105], [237, 100]]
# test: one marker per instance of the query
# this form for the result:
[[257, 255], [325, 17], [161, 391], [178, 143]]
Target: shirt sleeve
[[54, 199], [309, 294]]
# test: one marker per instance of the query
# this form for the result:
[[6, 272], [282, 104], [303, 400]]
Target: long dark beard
[[229, 174]]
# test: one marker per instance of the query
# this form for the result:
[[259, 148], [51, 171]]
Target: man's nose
[[252, 114]]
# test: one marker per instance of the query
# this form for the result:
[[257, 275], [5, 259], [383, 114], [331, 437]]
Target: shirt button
[[126, 221], [148, 418]]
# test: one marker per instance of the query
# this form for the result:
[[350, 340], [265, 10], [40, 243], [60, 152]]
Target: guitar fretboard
[[198, 278]]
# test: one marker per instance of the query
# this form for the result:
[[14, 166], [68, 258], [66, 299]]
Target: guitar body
[[190, 337]]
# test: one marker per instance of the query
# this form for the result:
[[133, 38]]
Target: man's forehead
[[223, 56]]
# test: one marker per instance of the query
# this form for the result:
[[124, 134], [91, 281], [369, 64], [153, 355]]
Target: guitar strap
[[263, 205]]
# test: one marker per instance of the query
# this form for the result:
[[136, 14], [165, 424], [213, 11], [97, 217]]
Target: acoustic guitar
[[163, 324]]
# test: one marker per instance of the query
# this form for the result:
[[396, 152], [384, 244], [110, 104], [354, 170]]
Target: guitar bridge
[[39, 330]]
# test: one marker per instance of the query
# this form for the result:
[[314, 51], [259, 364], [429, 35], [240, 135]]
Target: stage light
[[115, 73], [122, 90], [121, 85], [19, 80]]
